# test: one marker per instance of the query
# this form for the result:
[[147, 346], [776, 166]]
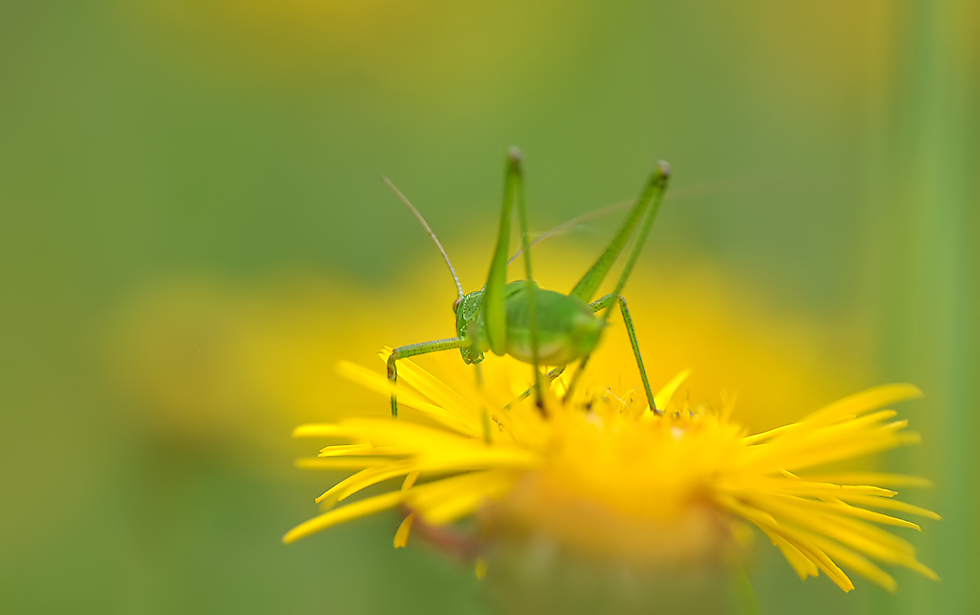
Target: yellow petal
[[401, 536], [865, 401], [345, 513], [663, 397]]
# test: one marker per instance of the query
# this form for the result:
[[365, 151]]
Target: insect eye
[[456, 304]]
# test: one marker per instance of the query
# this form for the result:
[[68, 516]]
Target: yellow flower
[[602, 474]]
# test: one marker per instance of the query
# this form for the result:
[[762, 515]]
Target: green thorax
[[567, 328]]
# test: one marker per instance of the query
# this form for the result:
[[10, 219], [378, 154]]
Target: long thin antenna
[[428, 229], [681, 193], [570, 224]]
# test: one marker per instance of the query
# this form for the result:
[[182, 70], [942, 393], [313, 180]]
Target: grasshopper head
[[468, 326]]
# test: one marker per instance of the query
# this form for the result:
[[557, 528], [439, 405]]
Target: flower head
[[603, 474]]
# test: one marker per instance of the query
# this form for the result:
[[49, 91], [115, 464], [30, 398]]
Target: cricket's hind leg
[[549, 378], [411, 350], [603, 303], [494, 298]]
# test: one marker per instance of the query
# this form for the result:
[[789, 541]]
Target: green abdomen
[[567, 328]]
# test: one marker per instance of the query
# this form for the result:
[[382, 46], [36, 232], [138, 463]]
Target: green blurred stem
[[927, 160]]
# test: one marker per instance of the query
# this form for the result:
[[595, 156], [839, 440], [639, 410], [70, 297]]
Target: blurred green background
[[177, 174]]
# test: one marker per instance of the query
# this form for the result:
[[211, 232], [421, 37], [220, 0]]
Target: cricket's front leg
[[412, 350], [606, 302]]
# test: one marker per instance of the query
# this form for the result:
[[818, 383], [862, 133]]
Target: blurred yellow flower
[[602, 474]]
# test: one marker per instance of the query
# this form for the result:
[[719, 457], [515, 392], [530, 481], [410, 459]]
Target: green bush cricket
[[534, 325]]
